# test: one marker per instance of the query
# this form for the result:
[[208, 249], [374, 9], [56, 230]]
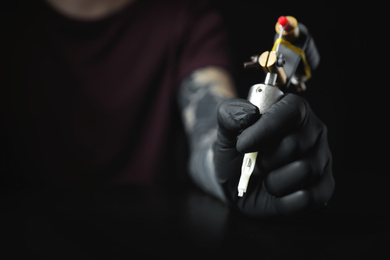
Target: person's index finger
[[284, 116]]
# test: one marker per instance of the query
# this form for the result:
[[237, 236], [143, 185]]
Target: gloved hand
[[293, 173]]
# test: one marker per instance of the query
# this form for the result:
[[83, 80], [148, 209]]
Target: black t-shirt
[[91, 102]]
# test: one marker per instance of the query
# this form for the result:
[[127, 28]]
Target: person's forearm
[[201, 167], [199, 97]]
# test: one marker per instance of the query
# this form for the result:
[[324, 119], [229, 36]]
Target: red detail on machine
[[284, 23]]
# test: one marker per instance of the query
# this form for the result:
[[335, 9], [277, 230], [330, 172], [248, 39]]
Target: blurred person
[[91, 91]]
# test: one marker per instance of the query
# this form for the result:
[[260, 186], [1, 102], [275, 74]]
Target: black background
[[348, 92]]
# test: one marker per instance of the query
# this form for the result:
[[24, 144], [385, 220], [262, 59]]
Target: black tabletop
[[119, 223]]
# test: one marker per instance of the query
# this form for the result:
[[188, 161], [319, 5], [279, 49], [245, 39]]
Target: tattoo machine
[[287, 66]]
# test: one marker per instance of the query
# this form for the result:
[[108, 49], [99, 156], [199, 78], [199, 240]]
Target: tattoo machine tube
[[263, 96]]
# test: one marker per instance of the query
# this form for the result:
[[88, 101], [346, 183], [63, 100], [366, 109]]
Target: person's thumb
[[234, 115]]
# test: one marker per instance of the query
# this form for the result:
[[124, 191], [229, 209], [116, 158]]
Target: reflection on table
[[132, 221]]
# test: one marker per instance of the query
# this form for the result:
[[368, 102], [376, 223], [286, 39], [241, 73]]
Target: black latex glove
[[293, 172]]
